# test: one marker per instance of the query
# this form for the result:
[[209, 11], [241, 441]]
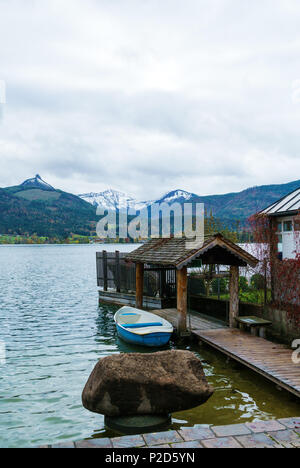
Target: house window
[[288, 226], [279, 227], [297, 224]]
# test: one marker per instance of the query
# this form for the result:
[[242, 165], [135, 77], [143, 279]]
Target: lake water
[[54, 332]]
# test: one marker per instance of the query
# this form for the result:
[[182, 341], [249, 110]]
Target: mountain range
[[228, 207], [113, 199], [35, 206]]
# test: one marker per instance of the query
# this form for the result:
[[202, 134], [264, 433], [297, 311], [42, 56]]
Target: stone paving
[[283, 433]]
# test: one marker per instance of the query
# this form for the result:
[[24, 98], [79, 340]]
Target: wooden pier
[[272, 361], [195, 320]]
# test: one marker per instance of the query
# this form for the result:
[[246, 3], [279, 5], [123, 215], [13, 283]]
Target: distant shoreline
[[67, 243], [73, 239]]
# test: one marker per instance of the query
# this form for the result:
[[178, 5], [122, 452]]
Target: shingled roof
[[173, 252]]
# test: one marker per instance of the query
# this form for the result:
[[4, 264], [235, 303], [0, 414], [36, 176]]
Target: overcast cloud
[[146, 96]]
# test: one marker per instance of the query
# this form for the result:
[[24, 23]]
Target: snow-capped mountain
[[180, 196], [113, 199], [37, 182]]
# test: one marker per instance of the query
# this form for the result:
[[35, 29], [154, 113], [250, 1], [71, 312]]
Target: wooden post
[[118, 275], [99, 264], [182, 299], [234, 296], [105, 281], [139, 287]]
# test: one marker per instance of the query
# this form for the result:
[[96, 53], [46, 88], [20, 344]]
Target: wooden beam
[[99, 269], [234, 296], [139, 285], [105, 277], [182, 299]]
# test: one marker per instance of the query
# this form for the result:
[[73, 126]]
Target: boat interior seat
[[129, 318]]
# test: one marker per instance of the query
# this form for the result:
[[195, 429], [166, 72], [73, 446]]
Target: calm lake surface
[[55, 331]]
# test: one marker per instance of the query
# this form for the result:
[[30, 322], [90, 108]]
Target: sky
[[147, 96]]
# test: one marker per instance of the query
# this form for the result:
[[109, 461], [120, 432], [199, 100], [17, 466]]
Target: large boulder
[[159, 383]]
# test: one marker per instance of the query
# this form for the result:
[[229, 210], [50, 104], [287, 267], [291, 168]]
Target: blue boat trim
[[129, 314], [142, 325], [150, 340]]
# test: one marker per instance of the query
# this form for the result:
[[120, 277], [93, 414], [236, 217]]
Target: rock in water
[[159, 383]]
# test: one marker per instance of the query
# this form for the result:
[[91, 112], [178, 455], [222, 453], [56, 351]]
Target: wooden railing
[[114, 273]]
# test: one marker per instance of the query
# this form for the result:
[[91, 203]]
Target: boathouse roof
[[174, 252]]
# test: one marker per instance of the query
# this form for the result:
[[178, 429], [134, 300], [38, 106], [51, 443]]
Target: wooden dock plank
[[271, 360], [258, 354], [198, 321]]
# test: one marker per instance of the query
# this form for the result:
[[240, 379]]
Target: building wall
[[283, 328], [288, 245]]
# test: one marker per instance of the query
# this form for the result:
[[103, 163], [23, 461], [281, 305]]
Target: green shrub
[[257, 281], [223, 286], [243, 284], [254, 297]]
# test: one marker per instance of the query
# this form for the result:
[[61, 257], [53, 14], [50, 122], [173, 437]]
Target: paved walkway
[[284, 433]]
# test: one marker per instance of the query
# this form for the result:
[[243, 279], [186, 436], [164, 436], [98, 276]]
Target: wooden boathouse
[[172, 253]]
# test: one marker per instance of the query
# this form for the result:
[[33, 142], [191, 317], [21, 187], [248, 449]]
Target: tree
[[257, 281], [243, 284]]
